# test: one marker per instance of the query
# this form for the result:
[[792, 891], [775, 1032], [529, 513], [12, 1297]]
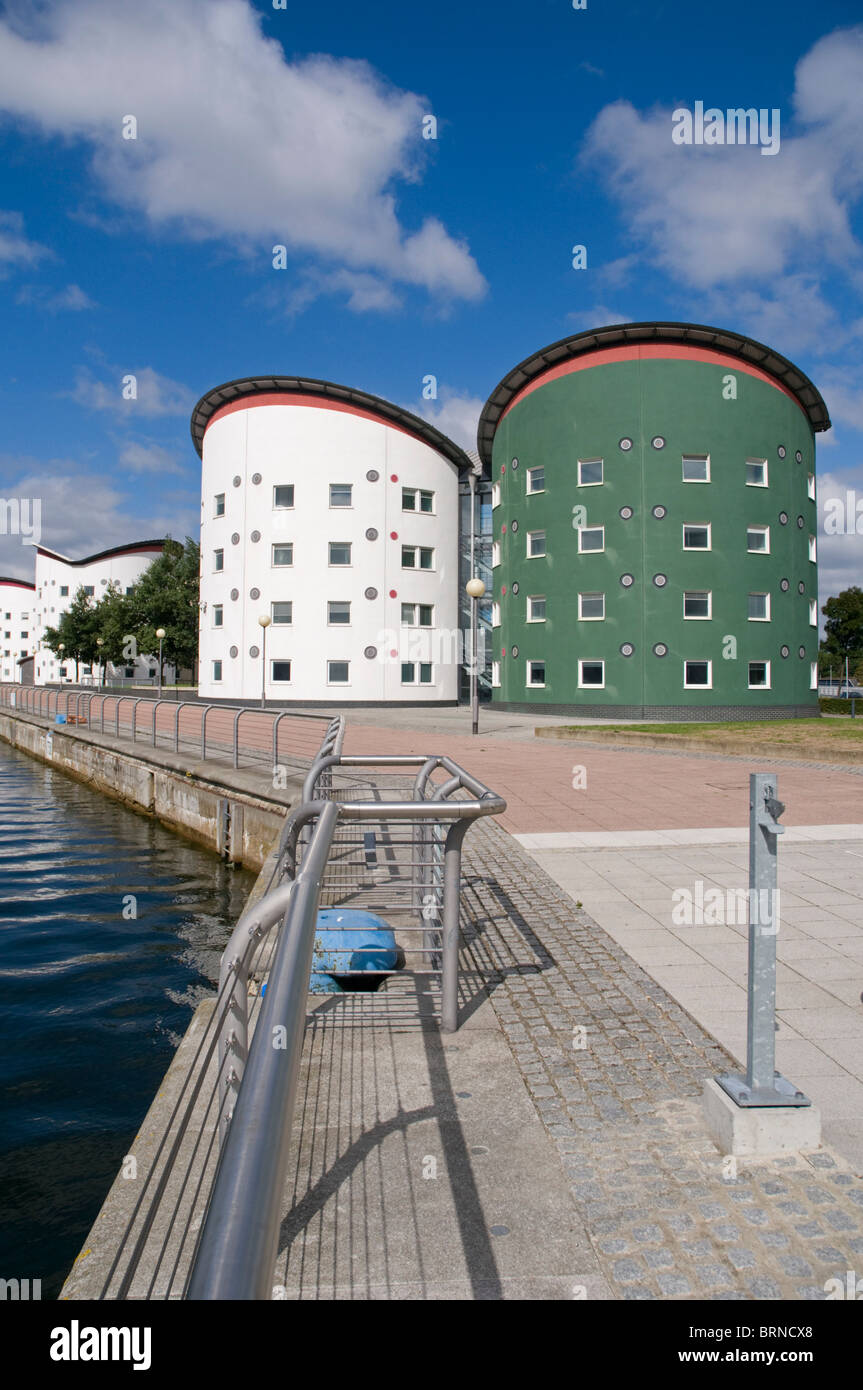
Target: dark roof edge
[[130, 547], [213, 400], [21, 583], [695, 334]]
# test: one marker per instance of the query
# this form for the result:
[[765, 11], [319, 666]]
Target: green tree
[[167, 595], [113, 624], [843, 631], [76, 632]]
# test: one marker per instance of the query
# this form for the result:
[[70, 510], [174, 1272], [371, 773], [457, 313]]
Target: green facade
[[689, 403]]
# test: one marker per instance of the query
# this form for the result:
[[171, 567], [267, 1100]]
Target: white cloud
[[71, 298], [156, 394], [234, 141], [454, 414], [147, 457], [600, 316], [15, 247], [840, 557], [843, 395]]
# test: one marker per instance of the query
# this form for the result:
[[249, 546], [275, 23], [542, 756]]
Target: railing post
[[762, 1085], [237, 718], [451, 934]]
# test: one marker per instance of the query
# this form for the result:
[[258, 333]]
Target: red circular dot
[[393, 652], [503, 468], [394, 477], [503, 590], [394, 593], [503, 529], [503, 651], [394, 535]]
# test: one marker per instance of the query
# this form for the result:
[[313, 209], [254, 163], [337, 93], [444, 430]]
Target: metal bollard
[[762, 1084]]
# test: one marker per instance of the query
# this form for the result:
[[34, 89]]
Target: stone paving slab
[[614, 1066]]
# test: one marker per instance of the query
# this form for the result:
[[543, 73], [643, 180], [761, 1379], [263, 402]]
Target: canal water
[[111, 929]]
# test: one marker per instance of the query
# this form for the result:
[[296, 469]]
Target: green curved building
[[655, 527]]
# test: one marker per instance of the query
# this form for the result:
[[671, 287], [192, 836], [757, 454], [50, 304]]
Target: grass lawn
[[835, 734]]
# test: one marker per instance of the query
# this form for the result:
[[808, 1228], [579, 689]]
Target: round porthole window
[[514, 526], [799, 456], [235, 651], [372, 476], [660, 580], [626, 513], [514, 587], [660, 649], [237, 480], [235, 594], [801, 652], [626, 649], [659, 512], [254, 593], [371, 593], [371, 534], [781, 451], [784, 651], [658, 442], [801, 587], [800, 523], [627, 580], [783, 518], [256, 536], [254, 651], [515, 651], [370, 653], [256, 478], [103, 581], [235, 539], [515, 463], [625, 444], [784, 586]]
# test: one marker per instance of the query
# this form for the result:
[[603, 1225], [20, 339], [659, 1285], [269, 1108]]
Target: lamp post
[[100, 643], [475, 589], [160, 633], [265, 620], [61, 647]]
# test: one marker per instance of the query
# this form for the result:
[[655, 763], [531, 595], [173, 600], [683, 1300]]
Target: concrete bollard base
[[758, 1132]]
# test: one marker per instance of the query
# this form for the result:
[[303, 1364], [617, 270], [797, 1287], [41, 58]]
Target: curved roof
[[129, 549], [391, 414], [19, 583], [615, 335]]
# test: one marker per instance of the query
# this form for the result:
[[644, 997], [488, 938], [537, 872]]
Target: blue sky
[[302, 126]]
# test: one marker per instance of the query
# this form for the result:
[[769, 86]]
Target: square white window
[[338, 672], [697, 603], [495, 553], [218, 615], [338, 613], [218, 560], [698, 675], [813, 551], [495, 615], [217, 670], [591, 674], [590, 472], [219, 504], [283, 496], [417, 557], [535, 544], [591, 539], [535, 479], [495, 674], [813, 675], [536, 608], [495, 494], [283, 555], [280, 671], [64, 592], [591, 607], [813, 612], [758, 540], [340, 552], [696, 468], [341, 494], [282, 613], [536, 673], [696, 536], [810, 487], [759, 608], [756, 472], [416, 499], [759, 675], [409, 673], [417, 615], [426, 673]]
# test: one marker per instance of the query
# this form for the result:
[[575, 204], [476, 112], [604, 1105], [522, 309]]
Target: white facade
[[58, 579], [17, 618], [292, 488]]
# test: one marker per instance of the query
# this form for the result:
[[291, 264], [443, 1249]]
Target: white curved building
[[57, 581], [16, 633], [335, 514]]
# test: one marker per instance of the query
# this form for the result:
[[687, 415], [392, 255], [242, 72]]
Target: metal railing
[[206, 1222], [210, 730]]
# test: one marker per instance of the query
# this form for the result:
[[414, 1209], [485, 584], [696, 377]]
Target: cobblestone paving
[[615, 1069], [769, 759]]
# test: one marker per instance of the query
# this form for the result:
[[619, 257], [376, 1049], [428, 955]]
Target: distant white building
[[335, 515], [17, 619], [58, 579]]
